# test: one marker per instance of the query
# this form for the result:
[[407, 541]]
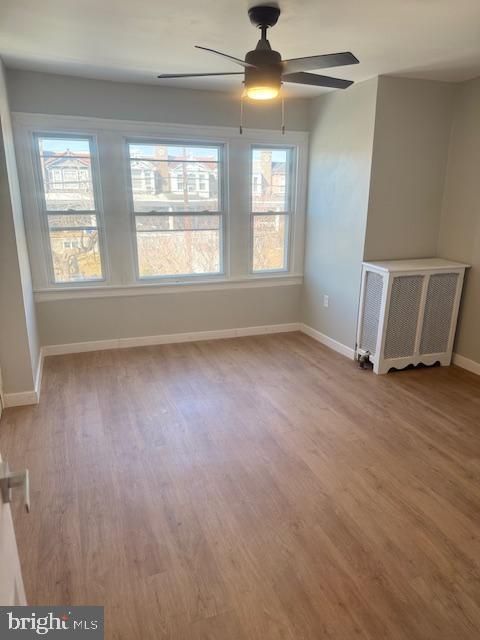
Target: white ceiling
[[136, 40]]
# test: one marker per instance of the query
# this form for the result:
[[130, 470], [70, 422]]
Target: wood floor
[[258, 488]]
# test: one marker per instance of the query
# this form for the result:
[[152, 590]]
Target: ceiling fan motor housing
[[264, 16], [267, 70]]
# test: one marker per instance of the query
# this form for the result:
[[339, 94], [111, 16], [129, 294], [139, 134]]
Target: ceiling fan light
[[262, 92]]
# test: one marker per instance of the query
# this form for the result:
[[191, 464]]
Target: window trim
[[222, 212], [43, 212], [290, 214]]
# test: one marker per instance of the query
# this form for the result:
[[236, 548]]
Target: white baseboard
[[38, 377], [328, 342], [466, 363], [20, 398], [27, 397], [142, 341]]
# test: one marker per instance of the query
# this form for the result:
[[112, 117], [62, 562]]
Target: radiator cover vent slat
[[403, 316], [371, 315], [437, 320]]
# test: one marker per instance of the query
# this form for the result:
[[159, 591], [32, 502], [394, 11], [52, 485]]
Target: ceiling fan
[[264, 69]]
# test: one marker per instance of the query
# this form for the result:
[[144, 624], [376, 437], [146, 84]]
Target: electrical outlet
[[325, 301]]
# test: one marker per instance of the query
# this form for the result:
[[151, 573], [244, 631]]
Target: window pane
[[66, 174], [76, 255], [178, 245], [56, 221], [269, 242], [167, 178], [269, 182]]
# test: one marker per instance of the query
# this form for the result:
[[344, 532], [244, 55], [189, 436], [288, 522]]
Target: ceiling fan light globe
[[262, 93]]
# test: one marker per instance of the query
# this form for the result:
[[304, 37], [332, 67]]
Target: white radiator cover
[[408, 311]]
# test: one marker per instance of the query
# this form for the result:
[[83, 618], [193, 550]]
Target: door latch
[[11, 479]]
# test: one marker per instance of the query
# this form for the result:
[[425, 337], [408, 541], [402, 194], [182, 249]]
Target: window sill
[[142, 289]]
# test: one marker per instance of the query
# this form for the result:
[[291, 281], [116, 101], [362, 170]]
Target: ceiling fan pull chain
[[241, 114], [283, 115]]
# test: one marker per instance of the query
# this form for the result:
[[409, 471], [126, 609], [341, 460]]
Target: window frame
[[222, 211], [114, 219], [290, 214], [44, 212]]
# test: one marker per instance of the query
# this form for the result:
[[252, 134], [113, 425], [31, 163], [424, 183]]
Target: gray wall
[[410, 149], [19, 346], [341, 141], [459, 237], [34, 92], [79, 320]]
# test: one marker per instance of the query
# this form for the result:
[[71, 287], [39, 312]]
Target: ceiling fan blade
[[319, 62], [199, 75], [316, 80], [242, 63]]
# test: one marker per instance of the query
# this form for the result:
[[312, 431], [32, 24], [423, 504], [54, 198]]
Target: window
[[69, 208], [203, 182], [178, 213], [271, 177], [72, 178], [256, 185], [56, 175], [146, 206]]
